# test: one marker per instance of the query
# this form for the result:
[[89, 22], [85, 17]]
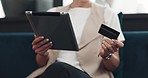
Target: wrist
[[42, 56], [41, 59], [45, 55]]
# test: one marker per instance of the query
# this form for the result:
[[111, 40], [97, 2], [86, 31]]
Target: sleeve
[[111, 19]]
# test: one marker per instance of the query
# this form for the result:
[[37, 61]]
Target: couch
[[17, 59], [134, 56]]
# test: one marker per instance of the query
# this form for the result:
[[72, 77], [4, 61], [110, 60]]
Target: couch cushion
[[135, 53], [17, 59]]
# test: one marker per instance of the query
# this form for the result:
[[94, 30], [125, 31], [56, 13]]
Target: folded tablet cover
[[56, 26]]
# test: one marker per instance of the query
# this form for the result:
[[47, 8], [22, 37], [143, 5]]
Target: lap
[[63, 70]]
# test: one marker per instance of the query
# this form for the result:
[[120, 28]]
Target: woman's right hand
[[40, 45]]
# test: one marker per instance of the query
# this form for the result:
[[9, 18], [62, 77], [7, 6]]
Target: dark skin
[[41, 45]]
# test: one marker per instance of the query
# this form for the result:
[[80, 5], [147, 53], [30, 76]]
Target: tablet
[[56, 26]]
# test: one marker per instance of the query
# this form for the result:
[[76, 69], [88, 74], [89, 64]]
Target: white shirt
[[78, 17]]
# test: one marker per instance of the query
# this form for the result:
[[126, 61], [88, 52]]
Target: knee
[[59, 66]]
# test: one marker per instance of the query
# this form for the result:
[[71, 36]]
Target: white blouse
[[78, 17]]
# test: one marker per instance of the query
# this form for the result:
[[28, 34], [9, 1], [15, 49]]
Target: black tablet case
[[56, 26]]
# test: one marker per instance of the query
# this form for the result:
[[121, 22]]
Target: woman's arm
[[110, 53], [41, 46], [42, 59], [112, 63]]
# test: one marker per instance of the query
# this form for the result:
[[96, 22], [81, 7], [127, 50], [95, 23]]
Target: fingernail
[[47, 39], [42, 37], [34, 35], [51, 43], [113, 39]]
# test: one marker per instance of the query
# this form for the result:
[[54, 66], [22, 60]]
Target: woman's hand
[[110, 53], [40, 45], [110, 46]]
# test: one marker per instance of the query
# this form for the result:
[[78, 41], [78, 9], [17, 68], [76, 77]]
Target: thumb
[[101, 51], [119, 44], [35, 35]]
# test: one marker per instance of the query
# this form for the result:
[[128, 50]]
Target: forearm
[[41, 59], [112, 63]]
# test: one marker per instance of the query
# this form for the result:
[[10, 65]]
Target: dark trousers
[[63, 70]]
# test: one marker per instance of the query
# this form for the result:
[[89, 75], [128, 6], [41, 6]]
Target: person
[[97, 57]]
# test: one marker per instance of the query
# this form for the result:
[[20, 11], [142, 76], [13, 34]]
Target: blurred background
[[14, 8], [134, 13], [15, 19]]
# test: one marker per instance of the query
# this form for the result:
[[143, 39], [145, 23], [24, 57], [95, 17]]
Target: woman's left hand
[[110, 46]]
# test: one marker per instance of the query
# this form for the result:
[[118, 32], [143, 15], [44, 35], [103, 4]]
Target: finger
[[36, 35], [40, 44], [51, 43], [42, 52], [101, 52], [105, 48], [37, 40], [108, 46], [119, 44], [115, 48], [43, 48], [106, 51], [109, 41]]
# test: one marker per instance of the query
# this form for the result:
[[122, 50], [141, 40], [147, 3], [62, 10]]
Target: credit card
[[108, 32]]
